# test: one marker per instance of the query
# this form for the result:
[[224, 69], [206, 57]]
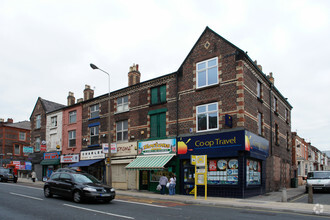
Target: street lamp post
[[109, 126]]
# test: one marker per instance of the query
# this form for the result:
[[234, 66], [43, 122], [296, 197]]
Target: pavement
[[269, 201]]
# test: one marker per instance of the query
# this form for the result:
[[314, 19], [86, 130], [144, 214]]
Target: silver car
[[319, 180]]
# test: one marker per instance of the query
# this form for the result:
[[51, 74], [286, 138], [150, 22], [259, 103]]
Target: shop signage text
[[165, 146], [51, 155], [70, 158], [92, 154]]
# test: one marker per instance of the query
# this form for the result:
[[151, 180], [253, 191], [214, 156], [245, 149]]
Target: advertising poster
[[223, 171]]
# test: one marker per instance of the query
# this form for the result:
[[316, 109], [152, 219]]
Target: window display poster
[[222, 171], [253, 172]]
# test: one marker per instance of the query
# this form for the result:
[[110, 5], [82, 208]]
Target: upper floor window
[[72, 117], [72, 138], [158, 125], [17, 149], [94, 111], [277, 134], [207, 72], [122, 104], [259, 123], [275, 104], [207, 117], [54, 121], [122, 130], [22, 136], [259, 89], [287, 117], [158, 94], [94, 132], [38, 121], [37, 144]]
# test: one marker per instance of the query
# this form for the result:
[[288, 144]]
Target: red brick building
[[13, 137]]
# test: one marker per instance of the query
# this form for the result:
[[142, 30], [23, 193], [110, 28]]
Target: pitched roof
[[22, 124], [50, 106]]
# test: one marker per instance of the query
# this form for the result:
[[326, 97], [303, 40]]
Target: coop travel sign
[[215, 143]]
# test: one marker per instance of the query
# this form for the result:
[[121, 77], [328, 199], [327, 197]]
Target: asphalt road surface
[[25, 202], [318, 198]]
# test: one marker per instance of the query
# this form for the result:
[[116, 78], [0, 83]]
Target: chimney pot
[[88, 92]]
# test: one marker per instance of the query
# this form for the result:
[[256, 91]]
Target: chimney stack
[[71, 99], [88, 93], [10, 121], [270, 77], [134, 75]]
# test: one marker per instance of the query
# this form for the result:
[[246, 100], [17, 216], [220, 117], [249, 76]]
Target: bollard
[[284, 195], [310, 194]]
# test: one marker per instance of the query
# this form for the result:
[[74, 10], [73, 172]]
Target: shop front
[[92, 162], [155, 158], [236, 163], [121, 155], [50, 163]]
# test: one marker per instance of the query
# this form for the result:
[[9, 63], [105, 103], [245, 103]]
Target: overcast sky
[[46, 48]]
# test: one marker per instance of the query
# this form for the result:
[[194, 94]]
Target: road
[[25, 202], [318, 198]]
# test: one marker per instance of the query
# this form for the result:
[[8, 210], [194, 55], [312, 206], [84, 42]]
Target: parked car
[[319, 180], [6, 175], [78, 186]]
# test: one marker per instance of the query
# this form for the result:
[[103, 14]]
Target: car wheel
[[77, 196], [47, 192]]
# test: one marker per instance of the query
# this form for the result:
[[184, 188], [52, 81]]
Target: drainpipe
[[177, 105], [271, 130]]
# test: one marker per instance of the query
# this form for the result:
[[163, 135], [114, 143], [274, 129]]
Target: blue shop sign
[[217, 144], [211, 144]]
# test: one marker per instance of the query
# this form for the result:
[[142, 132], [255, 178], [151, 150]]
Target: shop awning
[[50, 162], [150, 162], [84, 163]]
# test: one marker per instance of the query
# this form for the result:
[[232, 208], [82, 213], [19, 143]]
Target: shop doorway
[[144, 183]]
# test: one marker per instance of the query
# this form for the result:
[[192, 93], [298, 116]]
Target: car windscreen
[[84, 178], [5, 171], [318, 175]]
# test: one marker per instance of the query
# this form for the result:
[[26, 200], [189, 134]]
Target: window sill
[[260, 100], [121, 112], [207, 87], [160, 103]]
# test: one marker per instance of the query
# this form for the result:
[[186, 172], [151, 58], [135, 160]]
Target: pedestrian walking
[[34, 176], [163, 181], [172, 185]]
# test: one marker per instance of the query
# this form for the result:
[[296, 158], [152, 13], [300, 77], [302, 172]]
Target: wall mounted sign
[[164, 146]]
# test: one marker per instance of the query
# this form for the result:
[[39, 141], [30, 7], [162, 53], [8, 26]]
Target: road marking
[[31, 197], [101, 212], [138, 203], [31, 187], [299, 197]]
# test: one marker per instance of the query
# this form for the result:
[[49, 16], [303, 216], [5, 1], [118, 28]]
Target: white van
[[320, 180]]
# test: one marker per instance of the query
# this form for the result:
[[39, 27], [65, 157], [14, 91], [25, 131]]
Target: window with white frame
[[207, 117], [17, 149], [54, 121], [122, 104], [72, 117], [122, 130], [207, 72], [72, 138], [95, 111], [22, 136], [287, 115], [94, 133], [38, 121]]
